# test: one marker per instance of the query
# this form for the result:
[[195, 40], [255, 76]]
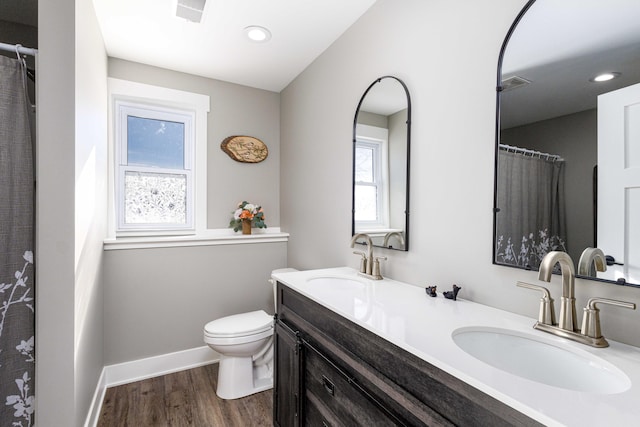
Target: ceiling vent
[[191, 10], [514, 83]]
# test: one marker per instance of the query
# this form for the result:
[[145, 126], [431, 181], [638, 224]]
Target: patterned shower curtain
[[531, 217], [17, 318]]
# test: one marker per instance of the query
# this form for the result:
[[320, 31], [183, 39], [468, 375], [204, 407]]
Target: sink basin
[[543, 361], [334, 283], [349, 295]]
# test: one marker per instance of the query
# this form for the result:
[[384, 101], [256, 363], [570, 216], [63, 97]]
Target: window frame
[[124, 109], [378, 139], [162, 104]]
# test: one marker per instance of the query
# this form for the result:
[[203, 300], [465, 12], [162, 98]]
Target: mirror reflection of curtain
[[531, 219], [17, 321]]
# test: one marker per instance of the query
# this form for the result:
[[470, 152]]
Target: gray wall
[[372, 119], [158, 300], [575, 138], [71, 210], [235, 110], [397, 168], [453, 137], [90, 205], [55, 203]]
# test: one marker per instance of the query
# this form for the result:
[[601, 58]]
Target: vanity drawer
[[316, 414], [333, 398]]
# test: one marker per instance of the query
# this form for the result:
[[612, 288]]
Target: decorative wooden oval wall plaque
[[246, 149]]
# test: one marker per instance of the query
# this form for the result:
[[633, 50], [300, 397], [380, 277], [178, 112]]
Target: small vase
[[246, 226]]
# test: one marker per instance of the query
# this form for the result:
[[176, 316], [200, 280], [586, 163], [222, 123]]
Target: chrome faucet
[[568, 301], [590, 332], [591, 257], [387, 236], [370, 265]]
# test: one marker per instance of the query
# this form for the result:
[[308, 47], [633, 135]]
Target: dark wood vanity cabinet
[[331, 372], [287, 385]]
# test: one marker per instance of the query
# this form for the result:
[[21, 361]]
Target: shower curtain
[[17, 319], [531, 218]]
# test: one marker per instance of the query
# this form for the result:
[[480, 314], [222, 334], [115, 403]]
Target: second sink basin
[[530, 357]]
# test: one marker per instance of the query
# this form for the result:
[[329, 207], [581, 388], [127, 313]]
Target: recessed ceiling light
[[604, 77], [258, 34]]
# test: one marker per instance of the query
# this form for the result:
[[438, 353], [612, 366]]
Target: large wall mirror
[[381, 141], [568, 137]]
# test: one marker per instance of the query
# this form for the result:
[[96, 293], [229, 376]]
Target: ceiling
[[147, 31], [550, 47], [559, 46], [385, 98]]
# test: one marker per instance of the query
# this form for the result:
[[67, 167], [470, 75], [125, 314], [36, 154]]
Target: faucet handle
[[363, 261], [591, 318], [546, 315], [376, 266]]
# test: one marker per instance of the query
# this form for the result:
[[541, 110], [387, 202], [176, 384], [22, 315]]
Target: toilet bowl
[[245, 344], [238, 339]]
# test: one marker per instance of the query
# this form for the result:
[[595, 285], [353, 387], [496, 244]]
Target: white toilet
[[245, 344]]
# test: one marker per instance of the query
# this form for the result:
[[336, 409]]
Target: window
[[155, 168], [371, 183], [368, 181], [159, 182]]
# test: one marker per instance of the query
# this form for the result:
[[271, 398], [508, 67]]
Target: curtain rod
[[17, 48], [532, 153]]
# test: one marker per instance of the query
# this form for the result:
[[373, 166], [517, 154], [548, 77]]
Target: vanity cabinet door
[[332, 398], [286, 376]]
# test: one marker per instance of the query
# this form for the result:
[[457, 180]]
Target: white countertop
[[406, 316]]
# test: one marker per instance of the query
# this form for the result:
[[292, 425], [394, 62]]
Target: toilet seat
[[239, 325]]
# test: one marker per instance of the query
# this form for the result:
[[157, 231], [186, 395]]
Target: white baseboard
[[136, 370], [96, 402]]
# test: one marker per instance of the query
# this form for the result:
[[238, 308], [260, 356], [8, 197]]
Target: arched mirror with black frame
[[568, 138], [381, 156]]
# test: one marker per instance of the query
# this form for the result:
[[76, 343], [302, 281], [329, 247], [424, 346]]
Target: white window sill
[[378, 231], [212, 237]]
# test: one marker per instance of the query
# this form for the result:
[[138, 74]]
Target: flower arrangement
[[247, 212]]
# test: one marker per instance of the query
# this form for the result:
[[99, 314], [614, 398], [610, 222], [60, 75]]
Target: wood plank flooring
[[186, 398]]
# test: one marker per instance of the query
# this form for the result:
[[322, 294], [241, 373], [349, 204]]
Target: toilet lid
[[239, 324]]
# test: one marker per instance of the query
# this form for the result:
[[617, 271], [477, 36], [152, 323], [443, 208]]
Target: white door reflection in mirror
[[619, 181]]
